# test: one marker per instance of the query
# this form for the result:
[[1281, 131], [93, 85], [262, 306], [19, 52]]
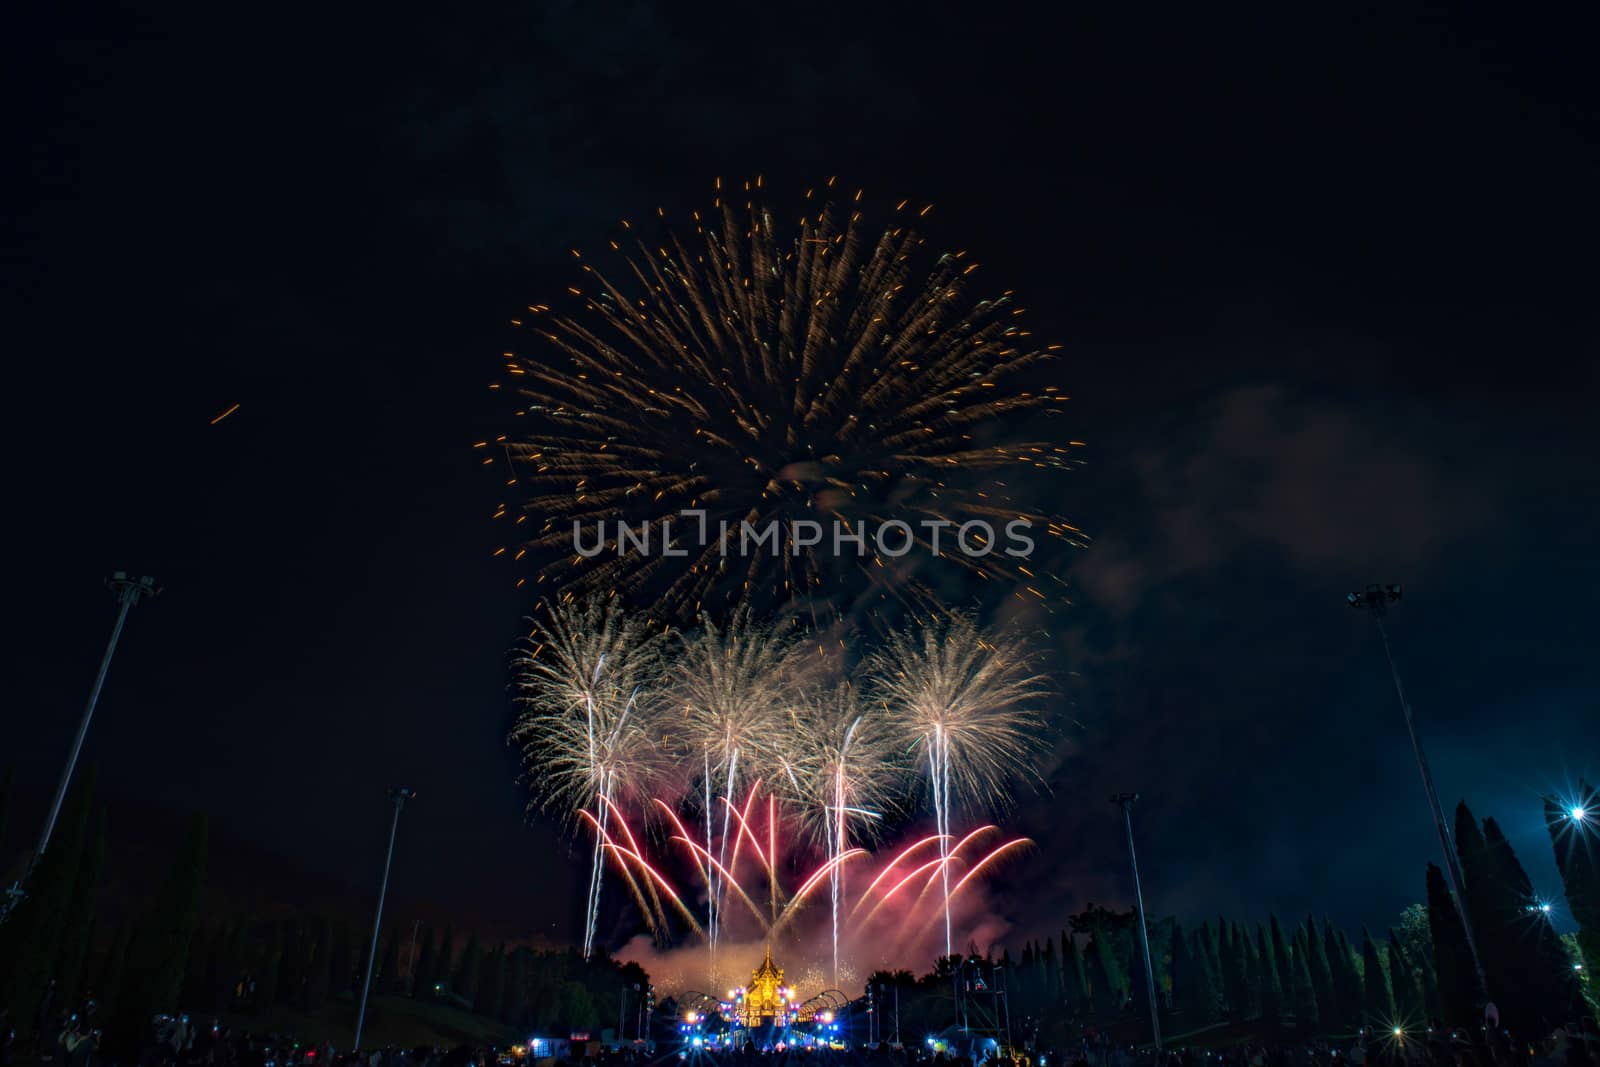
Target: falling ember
[[225, 414]]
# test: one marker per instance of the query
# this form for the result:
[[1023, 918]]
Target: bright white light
[[1398, 1032], [1544, 908], [1578, 814]]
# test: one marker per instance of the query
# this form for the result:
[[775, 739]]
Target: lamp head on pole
[[133, 588], [400, 795], [1375, 597]]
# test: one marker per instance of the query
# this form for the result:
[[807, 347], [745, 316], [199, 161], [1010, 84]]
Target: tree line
[[57, 951], [1311, 976]]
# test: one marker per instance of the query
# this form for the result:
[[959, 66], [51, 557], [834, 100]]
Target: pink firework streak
[[894, 912]]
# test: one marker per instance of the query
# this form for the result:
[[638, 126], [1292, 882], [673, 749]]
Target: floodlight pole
[[128, 590], [1126, 802], [1375, 599], [398, 796]]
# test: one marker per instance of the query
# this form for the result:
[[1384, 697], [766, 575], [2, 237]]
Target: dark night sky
[[1326, 283]]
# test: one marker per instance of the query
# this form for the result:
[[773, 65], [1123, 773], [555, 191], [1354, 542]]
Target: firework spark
[[728, 695], [762, 374], [846, 776], [748, 755], [584, 733], [968, 700]]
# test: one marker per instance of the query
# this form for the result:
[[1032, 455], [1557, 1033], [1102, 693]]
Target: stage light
[[1578, 814]]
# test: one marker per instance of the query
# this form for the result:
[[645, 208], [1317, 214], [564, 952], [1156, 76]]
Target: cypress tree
[[1213, 953], [108, 979], [235, 956], [515, 997], [1271, 981], [291, 964], [491, 976], [1282, 961], [1193, 992], [1104, 1000], [30, 940], [1029, 988], [75, 936], [1528, 977], [1049, 973], [1481, 897], [1321, 974], [1578, 860], [1302, 994], [446, 958], [165, 946], [423, 973], [319, 949], [84, 982], [1074, 983], [1205, 949], [1430, 988], [388, 977], [1235, 972], [1255, 979], [1547, 987], [341, 961], [1181, 974], [152, 980], [1377, 1000], [1404, 984], [1339, 1012], [466, 979], [1117, 979], [196, 993], [267, 984], [217, 980], [1354, 983]]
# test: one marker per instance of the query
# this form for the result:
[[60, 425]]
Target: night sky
[[1326, 284]]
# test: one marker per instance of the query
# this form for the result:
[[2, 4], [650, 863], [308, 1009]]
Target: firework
[[764, 374], [727, 699], [967, 699], [847, 777], [749, 754], [584, 680]]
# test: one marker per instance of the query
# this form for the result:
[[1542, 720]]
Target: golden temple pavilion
[[767, 1001]]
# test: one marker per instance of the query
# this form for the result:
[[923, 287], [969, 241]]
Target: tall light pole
[[1376, 599], [1126, 801], [398, 796], [128, 591]]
